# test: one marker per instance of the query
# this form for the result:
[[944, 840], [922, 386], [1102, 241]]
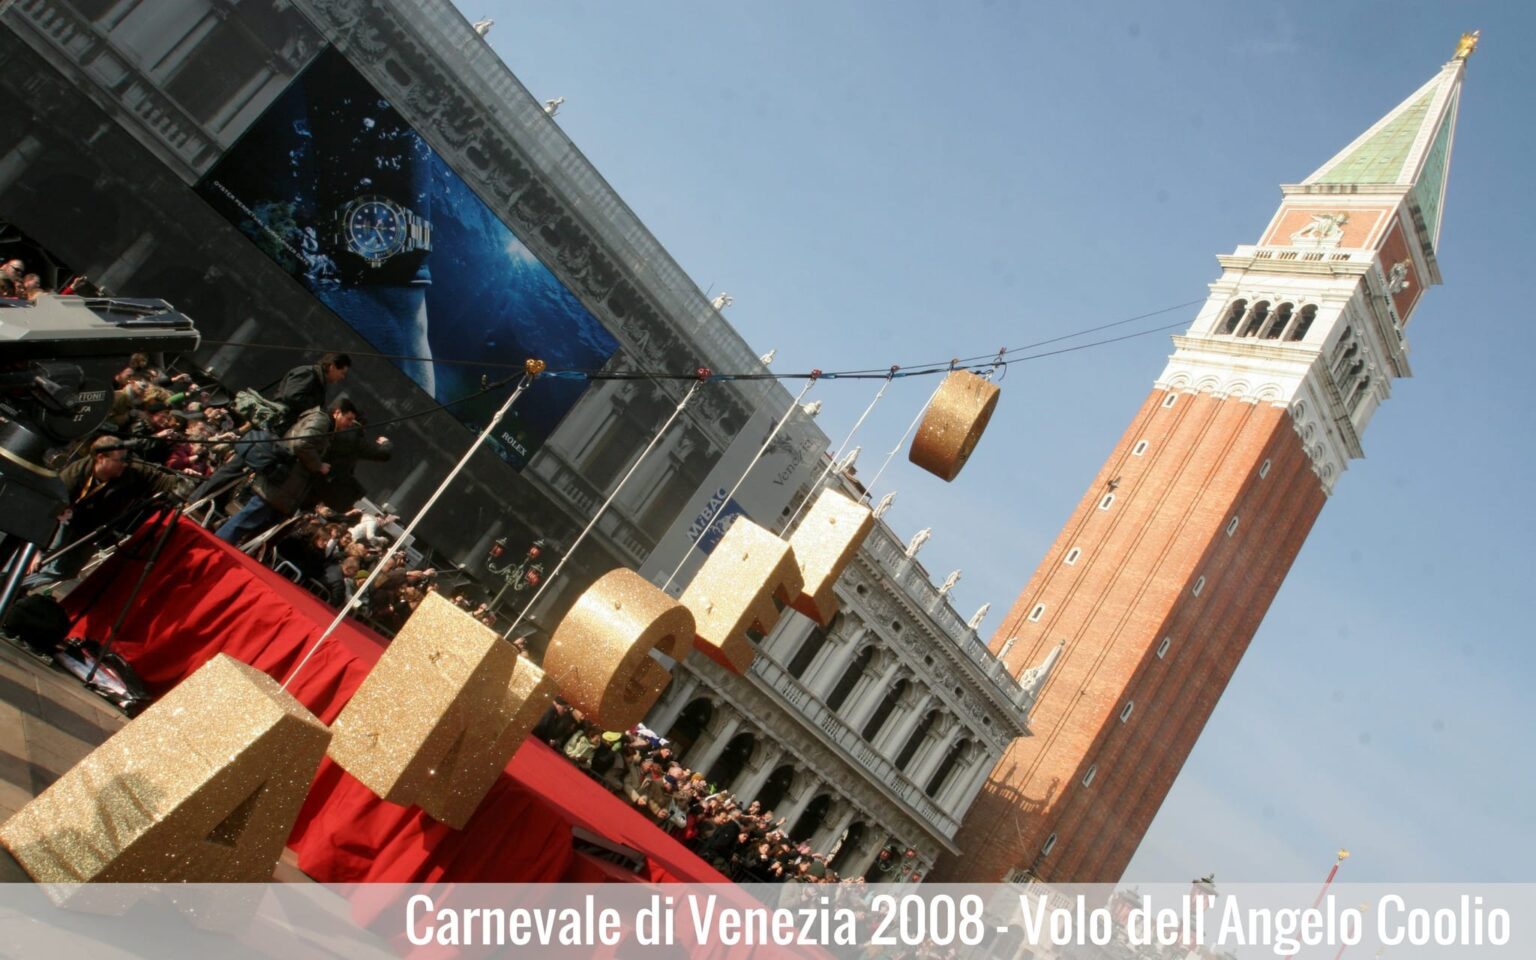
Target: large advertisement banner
[[788, 464], [342, 193]]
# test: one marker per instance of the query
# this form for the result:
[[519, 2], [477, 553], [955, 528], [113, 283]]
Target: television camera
[[58, 355]]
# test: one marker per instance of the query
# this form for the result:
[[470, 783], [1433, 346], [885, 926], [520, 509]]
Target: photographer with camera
[[103, 488], [279, 492]]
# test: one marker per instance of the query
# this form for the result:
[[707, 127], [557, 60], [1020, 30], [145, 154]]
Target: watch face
[[374, 229]]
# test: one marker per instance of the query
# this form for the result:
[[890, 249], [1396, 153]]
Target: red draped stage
[[203, 598]]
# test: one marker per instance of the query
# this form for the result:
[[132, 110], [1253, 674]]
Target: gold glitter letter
[[440, 714], [203, 787], [747, 580], [601, 651], [824, 544], [956, 416]]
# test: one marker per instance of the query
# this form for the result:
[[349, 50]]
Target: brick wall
[[1130, 586]]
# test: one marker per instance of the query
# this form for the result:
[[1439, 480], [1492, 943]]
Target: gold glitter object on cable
[[440, 714], [601, 652], [956, 417], [747, 580], [462, 781], [824, 545], [203, 787]]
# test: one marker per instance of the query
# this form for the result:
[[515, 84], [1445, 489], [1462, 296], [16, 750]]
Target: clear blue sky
[[893, 182]]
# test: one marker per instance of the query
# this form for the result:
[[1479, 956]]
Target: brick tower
[[1136, 619]]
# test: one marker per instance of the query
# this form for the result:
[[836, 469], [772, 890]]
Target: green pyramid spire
[[1408, 148], [1380, 158]]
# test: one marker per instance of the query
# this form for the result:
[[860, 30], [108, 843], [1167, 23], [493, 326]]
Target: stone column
[[822, 840], [644, 483], [862, 863], [785, 638], [959, 781], [823, 678], [224, 358], [866, 697], [813, 786], [751, 781], [968, 795], [405, 492], [18, 158], [922, 769], [708, 748], [678, 695], [125, 266], [903, 722]]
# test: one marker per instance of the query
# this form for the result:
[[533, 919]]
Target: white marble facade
[[877, 731]]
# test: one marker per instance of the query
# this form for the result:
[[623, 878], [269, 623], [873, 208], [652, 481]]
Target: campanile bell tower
[[1161, 576]]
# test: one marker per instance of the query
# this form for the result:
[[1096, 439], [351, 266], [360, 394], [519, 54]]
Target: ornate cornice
[[884, 601]]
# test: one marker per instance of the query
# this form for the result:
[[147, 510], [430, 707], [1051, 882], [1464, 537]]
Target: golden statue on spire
[[1466, 45]]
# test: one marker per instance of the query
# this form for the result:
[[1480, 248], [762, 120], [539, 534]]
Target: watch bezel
[[402, 240]]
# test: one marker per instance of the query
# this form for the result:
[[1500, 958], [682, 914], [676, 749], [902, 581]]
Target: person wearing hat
[[103, 490]]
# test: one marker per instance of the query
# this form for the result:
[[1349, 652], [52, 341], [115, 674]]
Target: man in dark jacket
[[277, 494], [103, 489], [303, 388], [340, 488]]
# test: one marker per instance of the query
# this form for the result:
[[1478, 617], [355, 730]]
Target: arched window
[[883, 712], [733, 760], [1303, 323], [807, 652], [1344, 352], [1255, 319], [916, 739], [941, 776], [810, 821], [775, 787], [1362, 387], [850, 677], [690, 723], [618, 440], [1276, 327], [1234, 314]]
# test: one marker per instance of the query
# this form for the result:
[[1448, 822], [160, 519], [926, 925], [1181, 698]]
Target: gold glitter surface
[[600, 652], [477, 758], [203, 787], [953, 424], [824, 545], [747, 579], [426, 725]]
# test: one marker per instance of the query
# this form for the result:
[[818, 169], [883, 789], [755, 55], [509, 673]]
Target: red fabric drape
[[204, 597]]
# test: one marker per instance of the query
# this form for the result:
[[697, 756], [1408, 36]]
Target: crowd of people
[[742, 840], [17, 284], [279, 466]]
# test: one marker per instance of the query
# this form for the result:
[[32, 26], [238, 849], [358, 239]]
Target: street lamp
[[526, 573]]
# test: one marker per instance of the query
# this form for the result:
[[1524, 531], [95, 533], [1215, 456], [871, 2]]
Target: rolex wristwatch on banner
[[377, 229]]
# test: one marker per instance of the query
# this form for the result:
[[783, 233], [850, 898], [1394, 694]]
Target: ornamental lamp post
[[526, 573]]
